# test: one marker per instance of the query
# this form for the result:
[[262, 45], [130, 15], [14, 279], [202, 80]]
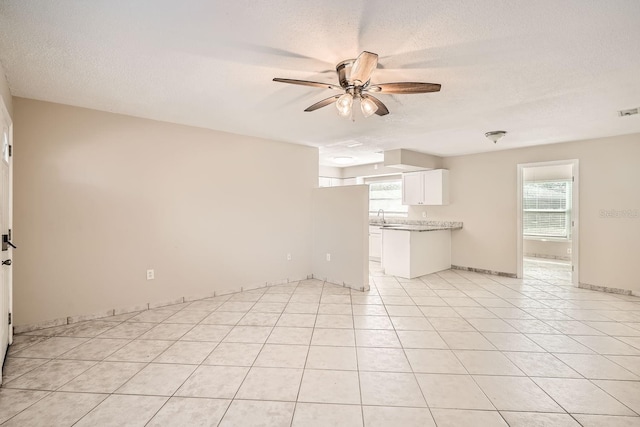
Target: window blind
[[547, 209], [386, 195]]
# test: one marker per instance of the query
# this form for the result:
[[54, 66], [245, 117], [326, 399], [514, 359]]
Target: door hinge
[[573, 224], [10, 150], [573, 179], [9, 318], [573, 268]]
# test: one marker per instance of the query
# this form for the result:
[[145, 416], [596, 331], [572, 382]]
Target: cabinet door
[[375, 246], [436, 187], [412, 188]]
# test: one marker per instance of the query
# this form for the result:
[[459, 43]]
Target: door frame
[[575, 216], [5, 112]]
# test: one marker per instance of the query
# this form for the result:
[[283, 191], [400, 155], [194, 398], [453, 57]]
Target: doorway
[[548, 232], [6, 328]]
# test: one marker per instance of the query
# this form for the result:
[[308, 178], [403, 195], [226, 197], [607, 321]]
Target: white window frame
[[387, 179], [566, 211]]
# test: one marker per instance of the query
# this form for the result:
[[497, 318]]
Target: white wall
[[483, 195], [341, 229], [100, 198]]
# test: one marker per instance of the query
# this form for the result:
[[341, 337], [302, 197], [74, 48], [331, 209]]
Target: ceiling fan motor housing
[[344, 72]]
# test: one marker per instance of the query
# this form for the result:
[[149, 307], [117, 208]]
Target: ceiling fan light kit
[[354, 76], [495, 135], [368, 107], [344, 104]]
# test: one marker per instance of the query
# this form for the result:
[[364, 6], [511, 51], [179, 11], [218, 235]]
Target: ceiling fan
[[354, 76]]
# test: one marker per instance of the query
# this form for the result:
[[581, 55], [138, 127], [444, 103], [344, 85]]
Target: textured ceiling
[[545, 71]]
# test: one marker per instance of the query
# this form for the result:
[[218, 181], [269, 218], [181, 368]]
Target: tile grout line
[[415, 377], [147, 364], [197, 366], [528, 295], [306, 359], [258, 354]]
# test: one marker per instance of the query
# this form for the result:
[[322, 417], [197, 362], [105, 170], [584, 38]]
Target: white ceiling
[[545, 71]]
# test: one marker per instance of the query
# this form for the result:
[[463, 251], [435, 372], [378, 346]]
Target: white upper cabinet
[[412, 188], [426, 187], [436, 187]]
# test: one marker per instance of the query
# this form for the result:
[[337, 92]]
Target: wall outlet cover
[[151, 274]]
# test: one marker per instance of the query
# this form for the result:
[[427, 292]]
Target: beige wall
[[483, 196], [5, 93], [543, 173], [330, 172], [100, 198], [341, 228], [372, 169], [409, 160], [546, 248]]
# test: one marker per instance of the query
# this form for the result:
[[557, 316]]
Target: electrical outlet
[[288, 257], [151, 274], [424, 214], [328, 257]]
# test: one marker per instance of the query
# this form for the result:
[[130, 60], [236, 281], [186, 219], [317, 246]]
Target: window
[[547, 209], [387, 195], [324, 181]]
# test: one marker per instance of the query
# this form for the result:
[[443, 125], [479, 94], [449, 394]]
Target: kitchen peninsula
[[413, 250]]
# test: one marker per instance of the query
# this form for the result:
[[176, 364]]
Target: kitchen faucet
[[380, 210]]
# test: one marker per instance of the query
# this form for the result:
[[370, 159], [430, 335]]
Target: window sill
[[548, 239]]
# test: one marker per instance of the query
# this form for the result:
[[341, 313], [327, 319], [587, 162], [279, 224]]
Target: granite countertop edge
[[416, 225]]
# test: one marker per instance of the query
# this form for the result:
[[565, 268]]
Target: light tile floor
[[449, 349], [554, 271]]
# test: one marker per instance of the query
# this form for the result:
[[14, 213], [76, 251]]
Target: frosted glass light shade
[[344, 104], [368, 107]]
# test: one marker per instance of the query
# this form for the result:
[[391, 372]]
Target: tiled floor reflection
[[450, 349], [553, 271]]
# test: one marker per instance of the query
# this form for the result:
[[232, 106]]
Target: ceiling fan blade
[[308, 83], [323, 103], [363, 67], [382, 109], [405, 87]]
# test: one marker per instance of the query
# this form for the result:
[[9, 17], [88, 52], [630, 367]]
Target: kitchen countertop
[[413, 225]]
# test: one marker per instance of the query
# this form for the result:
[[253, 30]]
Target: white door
[[6, 330]]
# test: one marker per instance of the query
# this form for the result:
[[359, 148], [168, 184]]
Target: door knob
[[6, 262]]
